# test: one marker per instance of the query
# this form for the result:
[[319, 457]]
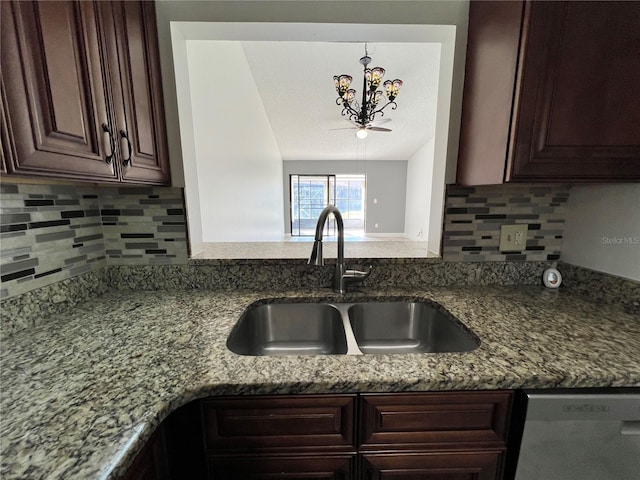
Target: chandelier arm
[[351, 114], [380, 111], [349, 111], [394, 105]]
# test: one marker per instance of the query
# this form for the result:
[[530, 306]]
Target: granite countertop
[[82, 393]]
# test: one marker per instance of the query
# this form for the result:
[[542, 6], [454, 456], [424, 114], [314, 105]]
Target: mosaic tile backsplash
[[473, 216], [144, 226], [50, 233]]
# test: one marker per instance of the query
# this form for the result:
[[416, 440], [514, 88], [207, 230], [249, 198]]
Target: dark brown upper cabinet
[[551, 93], [82, 94], [139, 109]]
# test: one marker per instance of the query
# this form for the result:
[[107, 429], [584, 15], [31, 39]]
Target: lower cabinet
[[323, 467], [439, 435], [280, 437], [400, 436], [462, 465], [279, 424]]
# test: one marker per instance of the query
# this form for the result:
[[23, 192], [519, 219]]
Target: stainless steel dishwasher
[[580, 435]]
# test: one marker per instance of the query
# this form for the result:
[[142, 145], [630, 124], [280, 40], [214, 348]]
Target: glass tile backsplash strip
[[144, 226], [53, 232], [49, 233], [473, 216]]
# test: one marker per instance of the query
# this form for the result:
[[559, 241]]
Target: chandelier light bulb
[[362, 133]]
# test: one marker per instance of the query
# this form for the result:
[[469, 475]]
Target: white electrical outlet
[[513, 238]]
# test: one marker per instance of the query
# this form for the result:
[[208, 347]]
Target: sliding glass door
[[311, 193]]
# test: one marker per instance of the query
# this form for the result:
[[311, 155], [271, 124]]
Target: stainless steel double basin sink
[[387, 327]]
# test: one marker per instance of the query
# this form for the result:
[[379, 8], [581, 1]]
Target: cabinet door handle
[[112, 143], [127, 160]]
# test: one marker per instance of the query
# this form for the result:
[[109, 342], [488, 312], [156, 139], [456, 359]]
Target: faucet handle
[[357, 275]]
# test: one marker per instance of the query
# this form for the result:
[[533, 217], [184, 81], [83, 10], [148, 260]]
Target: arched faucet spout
[[342, 275], [316, 254]]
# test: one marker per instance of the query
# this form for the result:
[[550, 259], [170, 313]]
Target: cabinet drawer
[[291, 422], [483, 465], [325, 467], [435, 420]]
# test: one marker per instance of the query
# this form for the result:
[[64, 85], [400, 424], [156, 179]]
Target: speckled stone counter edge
[[163, 349], [601, 287], [298, 261], [37, 306], [386, 273]]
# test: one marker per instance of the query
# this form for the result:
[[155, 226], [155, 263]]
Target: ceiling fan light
[[362, 133]]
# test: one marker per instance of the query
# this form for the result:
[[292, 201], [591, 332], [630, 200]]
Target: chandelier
[[363, 114]]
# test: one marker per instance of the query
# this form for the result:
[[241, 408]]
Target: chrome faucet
[[342, 275]]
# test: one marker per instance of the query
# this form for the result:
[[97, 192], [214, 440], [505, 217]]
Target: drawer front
[[484, 465], [435, 420], [291, 422], [326, 467]]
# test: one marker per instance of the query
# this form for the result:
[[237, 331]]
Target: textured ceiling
[[295, 82]]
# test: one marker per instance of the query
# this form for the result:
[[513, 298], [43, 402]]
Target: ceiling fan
[[362, 130]]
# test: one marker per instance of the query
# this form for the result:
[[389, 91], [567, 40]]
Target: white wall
[[419, 185], [191, 194], [178, 21], [436, 208], [239, 166], [602, 230]]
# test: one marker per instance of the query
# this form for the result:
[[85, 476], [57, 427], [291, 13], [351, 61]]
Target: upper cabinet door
[[55, 91], [577, 114], [551, 93], [138, 104], [490, 75]]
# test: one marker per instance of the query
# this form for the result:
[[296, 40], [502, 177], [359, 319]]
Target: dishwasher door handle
[[630, 428]]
